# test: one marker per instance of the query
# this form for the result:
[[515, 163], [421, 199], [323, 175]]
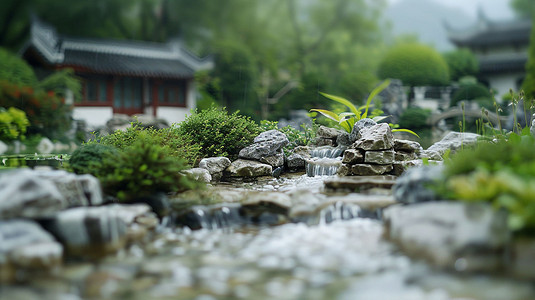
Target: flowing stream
[[324, 161]]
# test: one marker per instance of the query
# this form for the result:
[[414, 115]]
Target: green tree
[[461, 62], [16, 70], [524, 8], [529, 82], [415, 65]]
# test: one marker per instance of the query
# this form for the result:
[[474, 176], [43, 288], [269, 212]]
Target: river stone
[[376, 137], [379, 157], [26, 195], [451, 142], [368, 169], [407, 146], [328, 133], [214, 165], [295, 162], [90, 231], [248, 168], [352, 156], [412, 186], [453, 235], [24, 244], [275, 160], [199, 174]]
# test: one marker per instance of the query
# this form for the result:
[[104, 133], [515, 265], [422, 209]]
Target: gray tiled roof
[[134, 58], [489, 33]]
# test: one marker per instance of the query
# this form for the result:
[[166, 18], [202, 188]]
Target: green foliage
[[461, 63], [16, 70], [469, 92], [415, 65], [217, 132], [414, 118], [142, 169], [501, 173], [180, 146], [88, 157], [297, 137], [47, 112], [60, 81], [524, 8], [13, 124], [529, 82]]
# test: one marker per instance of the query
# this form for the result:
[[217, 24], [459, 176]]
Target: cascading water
[[324, 161]]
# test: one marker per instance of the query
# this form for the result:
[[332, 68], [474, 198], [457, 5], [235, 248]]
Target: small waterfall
[[324, 161], [338, 211], [211, 217]]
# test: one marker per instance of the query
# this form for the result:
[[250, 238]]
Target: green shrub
[[217, 132], [180, 146], [13, 124], [461, 63], [415, 65], [142, 169], [414, 118], [16, 70], [295, 136], [470, 92], [501, 173], [87, 158]]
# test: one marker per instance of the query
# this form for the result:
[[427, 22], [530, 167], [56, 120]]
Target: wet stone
[[379, 157]]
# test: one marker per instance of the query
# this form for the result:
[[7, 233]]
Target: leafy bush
[[13, 124], [414, 118], [295, 136], [470, 92], [461, 63], [16, 70], [180, 146], [47, 112], [501, 173], [87, 158], [217, 132], [142, 169], [415, 65]]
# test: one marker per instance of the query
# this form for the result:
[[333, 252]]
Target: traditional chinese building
[[501, 48], [119, 77]]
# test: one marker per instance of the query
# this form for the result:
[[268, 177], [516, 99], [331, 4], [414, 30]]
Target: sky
[[494, 9]]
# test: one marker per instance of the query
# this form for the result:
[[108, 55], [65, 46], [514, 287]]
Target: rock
[[277, 172], [328, 133], [357, 184], [412, 186], [344, 139], [26, 195], [248, 168], [407, 146], [404, 156], [91, 187], [214, 165], [90, 231], [199, 174], [295, 162], [275, 160], [452, 235], [385, 157], [3, 147], [358, 127], [367, 169], [451, 142], [45, 146], [531, 129], [353, 156], [377, 137], [72, 187], [365, 202], [344, 170], [268, 208], [266, 144], [320, 141], [25, 245], [523, 259]]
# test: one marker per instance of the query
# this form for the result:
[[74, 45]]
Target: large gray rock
[[368, 169], [275, 160], [453, 235], [353, 156], [451, 142], [328, 133], [90, 231], [266, 144], [358, 127], [382, 157], [407, 146], [24, 245], [214, 165], [248, 168], [78, 190], [295, 162], [413, 185], [376, 137], [199, 174]]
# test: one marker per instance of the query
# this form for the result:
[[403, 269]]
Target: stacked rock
[[375, 151]]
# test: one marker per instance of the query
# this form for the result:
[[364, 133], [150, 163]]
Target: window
[[128, 93], [171, 93], [95, 89]]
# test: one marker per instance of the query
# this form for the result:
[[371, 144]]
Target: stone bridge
[[470, 113]]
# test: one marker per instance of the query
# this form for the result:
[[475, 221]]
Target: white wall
[[93, 116], [503, 82], [172, 114]]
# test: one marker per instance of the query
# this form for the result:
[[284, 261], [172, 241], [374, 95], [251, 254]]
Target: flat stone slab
[[360, 183], [366, 202]]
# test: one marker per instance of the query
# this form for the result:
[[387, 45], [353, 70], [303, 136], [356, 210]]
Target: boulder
[[358, 127], [453, 235], [382, 157], [275, 160], [199, 174], [90, 231], [359, 183], [368, 169], [266, 144], [353, 156], [405, 156], [24, 245], [248, 168], [328, 133], [74, 188], [344, 139], [451, 142], [295, 162], [376, 137], [412, 186], [407, 146], [214, 165]]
